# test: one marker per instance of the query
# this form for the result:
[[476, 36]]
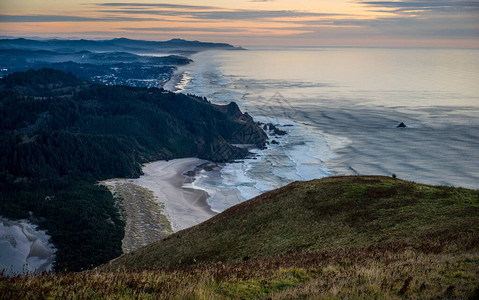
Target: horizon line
[[39, 38]]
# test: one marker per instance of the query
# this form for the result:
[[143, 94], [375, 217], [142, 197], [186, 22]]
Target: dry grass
[[390, 273], [348, 237]]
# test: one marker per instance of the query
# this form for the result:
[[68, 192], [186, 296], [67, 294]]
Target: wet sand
[[184, 207], [156, 204]]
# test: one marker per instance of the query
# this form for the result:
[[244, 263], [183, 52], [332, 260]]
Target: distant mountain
[[118, 44], [60, 134], [112, 62]]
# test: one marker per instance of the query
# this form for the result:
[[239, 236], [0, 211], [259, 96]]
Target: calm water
[[24, 248], [341, 107]]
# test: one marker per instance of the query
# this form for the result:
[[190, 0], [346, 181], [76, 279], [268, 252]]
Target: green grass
[[345, 237], [327, 214]]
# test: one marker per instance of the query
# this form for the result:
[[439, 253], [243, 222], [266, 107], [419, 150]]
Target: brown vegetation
[[345, 237], [392, 272]]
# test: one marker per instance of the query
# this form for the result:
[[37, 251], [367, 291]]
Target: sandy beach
[[157, 204], [177, 81], [170, 85], [184, 207]]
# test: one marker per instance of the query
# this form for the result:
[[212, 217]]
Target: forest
[[60, 135]]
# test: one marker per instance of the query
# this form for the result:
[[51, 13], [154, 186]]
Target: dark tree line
[[59, 135]]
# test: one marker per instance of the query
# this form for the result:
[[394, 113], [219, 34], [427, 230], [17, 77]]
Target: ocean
[[340, 107]]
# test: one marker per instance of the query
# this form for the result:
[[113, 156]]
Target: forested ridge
[[59, 135]]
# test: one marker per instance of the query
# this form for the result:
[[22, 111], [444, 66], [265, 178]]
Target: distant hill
[[112, 68], [17, 58], [111, 62], [118, 44], [60, 134], [339, 237]]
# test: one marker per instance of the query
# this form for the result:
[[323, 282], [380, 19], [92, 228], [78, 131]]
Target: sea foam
[[301, 154]]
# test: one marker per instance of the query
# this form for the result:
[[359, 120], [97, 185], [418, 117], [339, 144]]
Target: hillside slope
[[339, 237], [328, 214]]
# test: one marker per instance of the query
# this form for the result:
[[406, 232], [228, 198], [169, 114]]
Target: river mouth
[[24, 248]]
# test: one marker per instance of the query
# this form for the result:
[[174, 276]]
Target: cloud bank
[[400, 20]]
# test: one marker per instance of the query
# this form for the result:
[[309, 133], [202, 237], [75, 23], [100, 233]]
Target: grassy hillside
[[327, 214], [343, 237]]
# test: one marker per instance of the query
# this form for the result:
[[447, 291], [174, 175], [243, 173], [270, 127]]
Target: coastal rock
[[275, 130], [401, 125], [222, 151], [250, 133], [233, 111], [274, 142], [247, 132]]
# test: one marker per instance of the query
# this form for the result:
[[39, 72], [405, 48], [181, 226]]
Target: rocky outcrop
[[247, 132], [233, 111], [222, 151], [250, 133], [401, 125], [272, 128]]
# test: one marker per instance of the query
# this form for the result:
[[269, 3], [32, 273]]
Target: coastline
[[174, 80], [157, 203], [184, 207]]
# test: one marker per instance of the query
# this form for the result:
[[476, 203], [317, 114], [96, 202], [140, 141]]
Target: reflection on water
[[354, 98], [23, 248], [342, 76]]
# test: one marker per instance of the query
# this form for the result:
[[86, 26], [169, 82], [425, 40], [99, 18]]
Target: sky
[[389, 23]]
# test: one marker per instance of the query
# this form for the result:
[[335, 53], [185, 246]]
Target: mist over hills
[[114, 62], [117, 44], [22, 57]]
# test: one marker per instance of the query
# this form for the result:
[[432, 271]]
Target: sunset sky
[[423, 23]]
